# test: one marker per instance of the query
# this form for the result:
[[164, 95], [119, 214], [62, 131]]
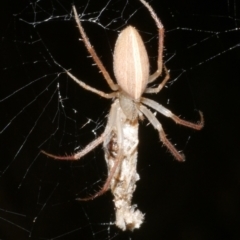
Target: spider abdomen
[[131, 64]]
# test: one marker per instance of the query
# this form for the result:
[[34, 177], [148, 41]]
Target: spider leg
[[156, 124], [89, 88], [94, 143], [86, 150], [81, 153], [108, 181], [161, 85], [92, 52], [160, 27], [158, 107]]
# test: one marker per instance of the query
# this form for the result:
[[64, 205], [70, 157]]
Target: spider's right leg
[[81, 153]]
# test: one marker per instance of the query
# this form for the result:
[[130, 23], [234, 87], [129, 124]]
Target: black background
[[198, 199]]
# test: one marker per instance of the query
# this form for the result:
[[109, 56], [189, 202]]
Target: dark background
[[198, 199]]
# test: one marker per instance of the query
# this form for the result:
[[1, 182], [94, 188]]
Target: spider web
[[41, 108]]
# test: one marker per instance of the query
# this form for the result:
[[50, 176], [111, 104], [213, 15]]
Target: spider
[[120, 137]]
